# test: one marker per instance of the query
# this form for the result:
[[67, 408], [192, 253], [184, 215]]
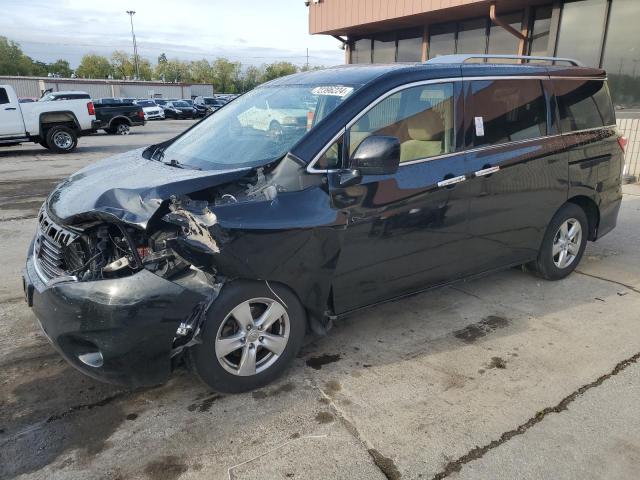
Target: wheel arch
[[118, 120], [50, 119], [592, 211]]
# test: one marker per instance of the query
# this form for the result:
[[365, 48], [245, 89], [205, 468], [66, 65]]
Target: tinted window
[[581, 30], [4, 98], [361, 52], [409, 46], [472, 36], [420, 117], [507, 110], [502, 42], [384, 49], [442, 40], [583, 104], [541, 32], [621, 53]]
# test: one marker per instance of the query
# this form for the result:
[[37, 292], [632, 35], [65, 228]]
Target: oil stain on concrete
[[473, 332]]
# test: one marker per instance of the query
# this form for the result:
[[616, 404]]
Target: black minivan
[[316, 195]]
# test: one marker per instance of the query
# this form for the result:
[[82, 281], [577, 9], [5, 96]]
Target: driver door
[[406, 231]]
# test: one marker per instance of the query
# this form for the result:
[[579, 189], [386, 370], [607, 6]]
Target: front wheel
[[61, 139], [564, 243], [251, 334]]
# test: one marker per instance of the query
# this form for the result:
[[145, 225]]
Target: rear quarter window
[[583, 104], [506, 111]]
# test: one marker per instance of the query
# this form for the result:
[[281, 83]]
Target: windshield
[[147, 103], [210, 101], [180, 104], [161, 102], [259, 127]]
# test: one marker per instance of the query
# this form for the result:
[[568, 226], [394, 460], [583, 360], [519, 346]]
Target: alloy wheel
[[123, 129], [566, 243], [252, 336]]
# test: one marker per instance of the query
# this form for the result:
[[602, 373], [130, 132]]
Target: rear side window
[[507, 111], [4, 98], [422, 118], [584, 104]]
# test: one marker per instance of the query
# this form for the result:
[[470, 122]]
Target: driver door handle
[[10, 108], [487, 171], [447, 182]]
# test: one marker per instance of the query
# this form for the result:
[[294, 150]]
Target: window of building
[[472, 36], [420, 117], [540, 33], [501, 42], [582, 30], [384, 48], [622, 53], [410, 46], [583, 104], [442, 40], [361, 51], [4, 98], [506, 111]]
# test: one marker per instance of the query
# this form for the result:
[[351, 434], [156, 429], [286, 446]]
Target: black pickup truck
[[117, 117]]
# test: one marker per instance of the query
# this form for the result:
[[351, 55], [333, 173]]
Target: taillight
[[91, 109], [140, 114], [622, 141]]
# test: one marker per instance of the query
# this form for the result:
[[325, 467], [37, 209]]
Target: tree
[[173, 71], [12, 60], [278, 69], [145, 69], [251, 79], [225, 75], [201, 71], [121, 65], [94, 66], [162, 58], [60, 67]]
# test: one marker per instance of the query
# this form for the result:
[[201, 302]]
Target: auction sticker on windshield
[[332, 90]]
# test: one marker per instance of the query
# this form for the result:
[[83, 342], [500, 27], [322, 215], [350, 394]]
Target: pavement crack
[[385, 464], [630, 287], [478, 452], [88, 406]]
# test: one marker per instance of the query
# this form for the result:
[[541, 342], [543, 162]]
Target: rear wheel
[[250, 336], [564, 243], [61, 139]]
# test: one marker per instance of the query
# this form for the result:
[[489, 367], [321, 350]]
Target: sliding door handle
[[449, 182], [486, 171]]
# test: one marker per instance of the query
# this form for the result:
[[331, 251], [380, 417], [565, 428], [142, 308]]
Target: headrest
[[426, 126]]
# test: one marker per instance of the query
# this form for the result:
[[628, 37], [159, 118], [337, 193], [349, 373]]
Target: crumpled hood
[[129, 188]]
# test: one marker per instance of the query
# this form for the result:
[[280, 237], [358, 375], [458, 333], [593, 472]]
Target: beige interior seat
[[426, 135]]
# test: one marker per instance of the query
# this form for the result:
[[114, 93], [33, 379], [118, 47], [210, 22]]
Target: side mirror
[[377, 155]]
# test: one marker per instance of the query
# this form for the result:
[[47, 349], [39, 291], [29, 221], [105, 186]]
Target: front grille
[[50, 243]]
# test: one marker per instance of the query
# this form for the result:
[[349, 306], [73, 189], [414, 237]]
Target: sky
[[250, 31]]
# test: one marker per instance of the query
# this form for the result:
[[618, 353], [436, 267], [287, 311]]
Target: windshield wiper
[[175, 163]]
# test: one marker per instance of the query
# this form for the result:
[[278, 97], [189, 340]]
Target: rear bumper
[[120, 331]]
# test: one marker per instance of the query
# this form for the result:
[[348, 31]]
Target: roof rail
[[462, 58]]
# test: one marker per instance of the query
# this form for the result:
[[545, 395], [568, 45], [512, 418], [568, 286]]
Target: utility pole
[[307, 59], [135, 45]]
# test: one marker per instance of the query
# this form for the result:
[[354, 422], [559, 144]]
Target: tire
[[61, 139], [110, 130], [122, 129], [232, 372], [43, 143], [561, 251]]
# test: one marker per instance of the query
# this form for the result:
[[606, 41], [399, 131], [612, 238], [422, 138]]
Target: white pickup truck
[[54, 125]]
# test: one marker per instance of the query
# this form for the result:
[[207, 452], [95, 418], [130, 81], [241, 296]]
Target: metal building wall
[[147, 91], [24, 87], [96, 90], [201, 90]]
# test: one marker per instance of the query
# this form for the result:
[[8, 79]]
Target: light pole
[[135, 45]]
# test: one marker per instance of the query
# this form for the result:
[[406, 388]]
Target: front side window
[[583, 104], [422, 118], [257, 128], [4, 98], [506, 111]]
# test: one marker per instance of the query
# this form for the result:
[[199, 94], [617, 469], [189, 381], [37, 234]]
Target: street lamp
[[135, 45]]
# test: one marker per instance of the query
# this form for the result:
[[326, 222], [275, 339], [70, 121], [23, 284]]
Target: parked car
[[152, 111], [55, 126], [226, 244], [207, 105], [161, 102], [50, 96], [179, 109], [27, 100], [117, 117]]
